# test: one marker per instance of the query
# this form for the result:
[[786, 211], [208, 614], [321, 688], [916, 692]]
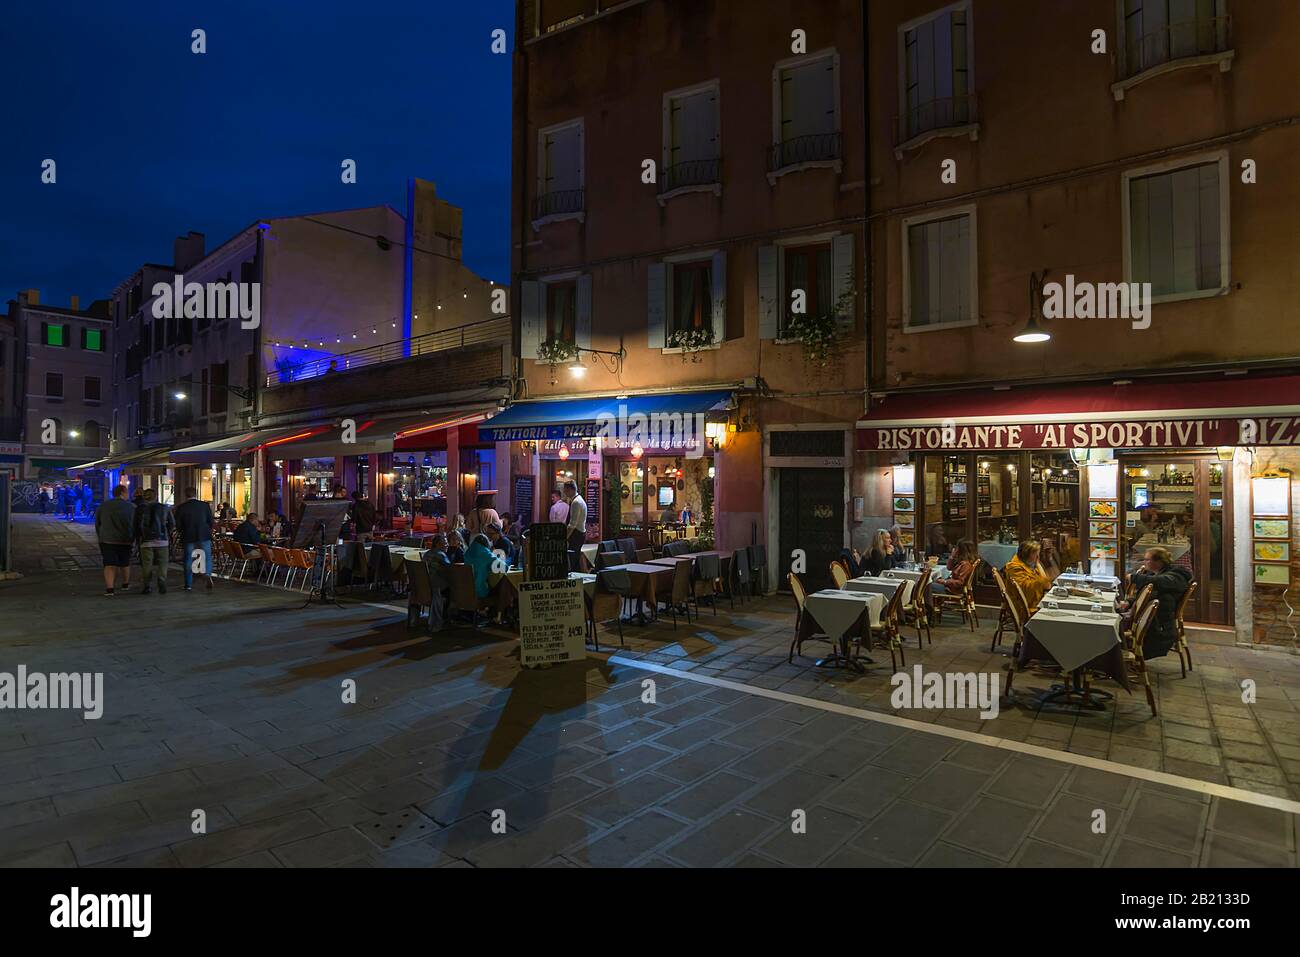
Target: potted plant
[[816, 332], [691, 341], [555, 352]]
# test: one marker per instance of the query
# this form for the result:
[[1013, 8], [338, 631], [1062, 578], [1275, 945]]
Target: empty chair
[[628, 547], [644, 555], [1013, 613], [420, 595], [610, 559], [800, 596], [708, 570], [675, 591], [1184, 652], [1133, 659], [616, 582], [839, 574], [381, 566], [739, 574], [758, 567]]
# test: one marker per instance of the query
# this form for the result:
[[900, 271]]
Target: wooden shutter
[[582, 312], [530, 322], [843, 275], [657, 304], [769, 292]]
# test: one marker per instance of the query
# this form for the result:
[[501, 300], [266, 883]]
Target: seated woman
[[455, 548], [881, 556], [480, 558], [1026, 572], [960, 565]]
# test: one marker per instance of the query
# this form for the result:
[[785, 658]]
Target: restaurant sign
[[1126, 434]]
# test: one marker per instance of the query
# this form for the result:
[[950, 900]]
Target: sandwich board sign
[[552, 627]]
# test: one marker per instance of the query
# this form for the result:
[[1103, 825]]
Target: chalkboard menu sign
[[523, 500], [548, 552], [593, 502]]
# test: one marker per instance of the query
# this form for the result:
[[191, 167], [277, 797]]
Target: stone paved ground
[[230, 703]]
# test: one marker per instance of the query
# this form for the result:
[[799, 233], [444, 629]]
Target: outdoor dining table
[[589, 553], [1107, 582], [938, 573], [880, 586], [1076, 641], [841, 616], [644, 585]]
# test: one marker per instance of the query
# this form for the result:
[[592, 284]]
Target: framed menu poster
[[1273, 574], [1271, 495], [1271, 528]]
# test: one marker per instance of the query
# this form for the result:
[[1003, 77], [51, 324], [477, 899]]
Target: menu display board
[[593, 501], [548, 552], [1270, 509], [523, 498], [552, 628]]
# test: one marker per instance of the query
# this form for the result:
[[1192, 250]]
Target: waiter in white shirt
[[577, 523], [559, 507]]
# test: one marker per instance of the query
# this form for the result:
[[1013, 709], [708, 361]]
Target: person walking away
[[194, 525], [484, 513], [154, 526], [44, 499], [87, 500], [577, 523], [67, 502], [114, 527]]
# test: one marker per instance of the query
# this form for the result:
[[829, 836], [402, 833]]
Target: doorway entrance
[[1179, 502], [812, 519]]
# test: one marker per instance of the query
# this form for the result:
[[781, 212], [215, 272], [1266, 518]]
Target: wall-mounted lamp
[[1225, 453], [1033, 332]]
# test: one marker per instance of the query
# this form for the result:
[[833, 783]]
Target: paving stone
[[826, 831], [797, 789], [979, 757], [948, 855], [332, 847], [866, 793], [226, 843], [625, 764], [1070, 822], [992, 826], [702, 799], [533, 846], [696, 732], [1250, 821], [698, 762], [771, 760], [721, 839], [1039, 854], [903, 832], [619, 801], [1223, 850], [1166, 821], [1100, 785], [631, 840], [948, 786], [1029, 780]]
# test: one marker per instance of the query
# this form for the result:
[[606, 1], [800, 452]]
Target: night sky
[[152, 140]]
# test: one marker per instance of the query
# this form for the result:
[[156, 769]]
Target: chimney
[[31, 296], [187, 250], [75, 304]]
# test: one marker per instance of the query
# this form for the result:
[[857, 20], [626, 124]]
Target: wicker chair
[[919, 607], [1184, 651], [963, 601], [887, 631], [1012, 615], [800, 596], [1133, 659], [839, 574]]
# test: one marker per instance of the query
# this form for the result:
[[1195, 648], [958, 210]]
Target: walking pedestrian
[[115, 528], [154, 526], [194, 525], [44, 499]]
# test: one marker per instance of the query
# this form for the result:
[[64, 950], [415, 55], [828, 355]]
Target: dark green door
[[812, 519]]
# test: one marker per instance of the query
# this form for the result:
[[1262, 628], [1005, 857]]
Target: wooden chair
[[644, 555], [1144, 598], [919, 607], [676, 591], [1184, 651], [1133, 660], [887, 631], [800, 596], [739, 583], [963, 601], [839, 574], [419, 595], [463, 597], [1013, 613], [615, 582]]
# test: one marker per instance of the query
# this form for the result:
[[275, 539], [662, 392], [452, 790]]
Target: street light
[[1033, 332]]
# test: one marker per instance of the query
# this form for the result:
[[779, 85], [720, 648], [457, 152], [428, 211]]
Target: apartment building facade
[[1084, 307], [690, 195]]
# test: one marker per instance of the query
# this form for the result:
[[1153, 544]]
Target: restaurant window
[[691, 138], [812, 270], [935, 70], [1154, 32], [947, 492], [1177, 225], [485, 461], [807, 122], [54, 334], [560, 171], [1054, 490], [561, 311], [92, 340], [692, 303], [996, 494], [53, 385], [92, 388], [939, 271]]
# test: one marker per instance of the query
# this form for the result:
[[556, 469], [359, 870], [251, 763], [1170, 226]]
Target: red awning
[[1203, 413]]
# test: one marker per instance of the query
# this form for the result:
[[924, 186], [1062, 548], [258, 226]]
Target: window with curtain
[[692, 296], [810, 268], [561, 311]]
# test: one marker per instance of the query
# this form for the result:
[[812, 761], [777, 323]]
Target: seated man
[[1170, 582], [247, 532], [500, 545]]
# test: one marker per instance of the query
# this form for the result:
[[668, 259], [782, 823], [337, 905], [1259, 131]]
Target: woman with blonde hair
[[881, 556]]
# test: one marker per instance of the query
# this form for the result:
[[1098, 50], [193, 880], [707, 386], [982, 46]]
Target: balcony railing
[[690, 173], [496, 329], [817, 148], [1176, 41], [559, 203], [939, 114]]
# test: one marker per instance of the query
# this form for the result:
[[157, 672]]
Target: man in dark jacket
[[363, 516], [114, 527], [154, 526], [194, 524], [247, 533], [1170, 582]]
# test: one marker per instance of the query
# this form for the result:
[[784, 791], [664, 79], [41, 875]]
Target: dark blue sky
[[152, 140]]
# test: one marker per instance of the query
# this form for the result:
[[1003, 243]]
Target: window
[[560, 172], [92, 388], [687, 295], [53, 334], [1159, 31], [692, 306], [935, 65], [90, 435], [53, 385], [92, 340], [561, 311], [220, 398], [1177, 221], [939, 270], [555, 14], [486, 463], [691, 138], [806, 107], [811, 269]]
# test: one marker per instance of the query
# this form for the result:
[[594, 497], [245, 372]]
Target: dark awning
[[587, 418]]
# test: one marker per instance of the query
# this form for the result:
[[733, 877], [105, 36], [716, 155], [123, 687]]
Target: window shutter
[[768, 293], [82, 343], [657, 304], [530, 324], [718, 274], [45, 333], [582, 320], [844, 276]]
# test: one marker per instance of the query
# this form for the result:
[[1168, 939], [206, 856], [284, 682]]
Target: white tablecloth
[[836, 611], [880, 586], [1103, 582], [1073, 638], [589, 552], [997, 554], [1107, 602]]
